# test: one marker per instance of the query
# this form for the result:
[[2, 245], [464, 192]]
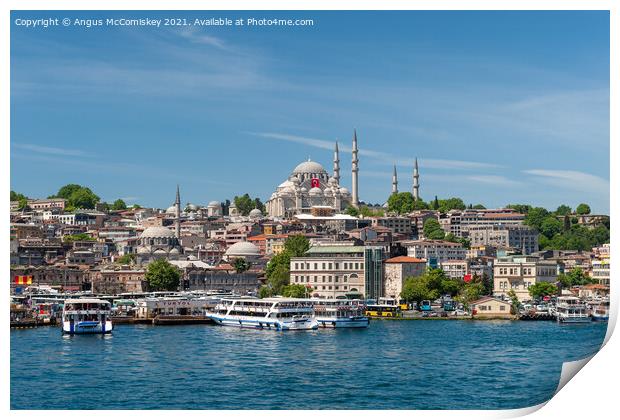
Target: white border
[[591, 394]]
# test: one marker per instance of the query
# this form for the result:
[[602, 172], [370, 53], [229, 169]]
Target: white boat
[[280, 314], [86, 316], [335, 313], [570, 310], [600, 311]]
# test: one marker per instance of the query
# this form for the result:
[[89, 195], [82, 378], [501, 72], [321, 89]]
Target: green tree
[[17, 196], [514, 302], [535, 217], [119, 205], [520, 208], [435, 205], [451, 286], [264, 292], [352, 211], [416, 289], [541, 289], [432, 229], [401, 203], [575, 277], [479, 207], [550, 226], [77, 237], [282, 259], [567, 224], [470, 292], [162, 276], [296, 291], [453, 203], [296, 245], [77, 196], [126, 259], [583, 208], [241, 265], [563, 210], [245, 204]]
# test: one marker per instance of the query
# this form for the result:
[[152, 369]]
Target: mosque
[[310, 185]]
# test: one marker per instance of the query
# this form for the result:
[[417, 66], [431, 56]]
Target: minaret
[[177, 206], [336, 165], [416, 181], [354, 171], [394, 182]]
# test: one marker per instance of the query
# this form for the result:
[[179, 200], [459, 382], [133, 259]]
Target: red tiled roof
[[405, 259]]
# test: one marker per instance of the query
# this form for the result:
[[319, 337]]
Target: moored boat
[[600, 312], [331, 313], [280, 314], [86, 316], [570, 310]]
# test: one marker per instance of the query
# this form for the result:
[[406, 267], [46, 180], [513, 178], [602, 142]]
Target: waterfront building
[[59, 277], [119, 279], [436, 250], [397, 270], [520, 238], [601, 270], [519, 272], [340, 271], [222, 278], [488, 306]]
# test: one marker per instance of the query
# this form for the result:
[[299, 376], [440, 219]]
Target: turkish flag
[[467, 278], [315, 183]]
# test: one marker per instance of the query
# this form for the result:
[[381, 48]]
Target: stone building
[[396, 270]]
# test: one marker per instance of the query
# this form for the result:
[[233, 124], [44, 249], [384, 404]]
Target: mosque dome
[[304, 190], [256, 214], [331, 181], [309, 167], [171, 210], [328, 192], [214, 204], [343, 190], [243, 249], [191, 207], [157, 232], [294, 180], [160, 252], [315, 191], [174, 251], [285, 184]]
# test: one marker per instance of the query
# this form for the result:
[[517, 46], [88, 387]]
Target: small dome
[[171, 210], [304, 189], [242, 249], [331, 181], [214, 204], [191, 207], [142, 250], [256, 213], [328, 192], [157, 232], [294, 180], [315, 191], [285, 184], [309, 167], [343, 190], [160, 252], [174, 251]]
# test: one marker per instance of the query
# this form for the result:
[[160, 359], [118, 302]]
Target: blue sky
[[499, 107]]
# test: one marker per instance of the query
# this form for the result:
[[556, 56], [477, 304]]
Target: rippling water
[[390, 365]]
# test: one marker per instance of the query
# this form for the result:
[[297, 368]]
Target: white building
[[438, 250], [518, 273]]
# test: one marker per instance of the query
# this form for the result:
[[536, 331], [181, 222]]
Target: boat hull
[[575, 320], [350, 322], [87, 327], [265, 323]]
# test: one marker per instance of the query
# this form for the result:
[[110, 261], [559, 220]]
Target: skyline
[[155, 108]]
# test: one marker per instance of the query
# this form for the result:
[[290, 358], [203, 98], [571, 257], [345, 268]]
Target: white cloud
[[378, 156], [494, 180], [571, 180], [46, 150]]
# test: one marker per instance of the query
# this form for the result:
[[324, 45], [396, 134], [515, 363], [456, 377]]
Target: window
[[502, 308]]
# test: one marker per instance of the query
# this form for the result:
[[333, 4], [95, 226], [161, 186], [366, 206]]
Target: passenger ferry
[[86, 316], [335, 313], [570, 310], [600, 312], [280, 314]]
